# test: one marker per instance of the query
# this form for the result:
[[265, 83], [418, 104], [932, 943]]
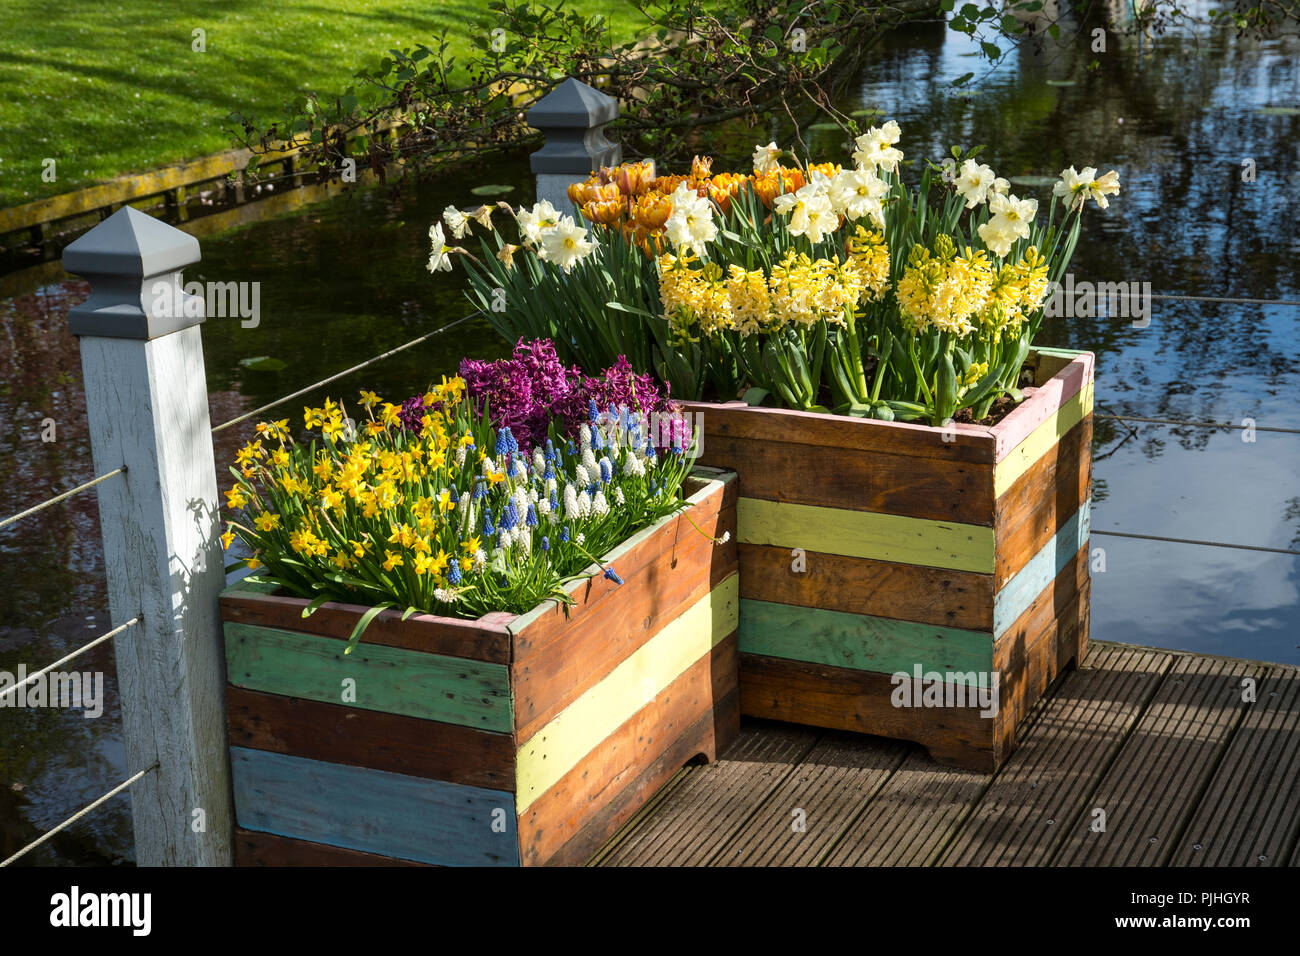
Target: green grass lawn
[[105, 88]]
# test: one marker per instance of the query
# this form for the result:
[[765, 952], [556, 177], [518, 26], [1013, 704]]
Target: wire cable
[[347, 371], [1206, 544], [13, 688], [81, 813], [67, 494], [1171, 421]]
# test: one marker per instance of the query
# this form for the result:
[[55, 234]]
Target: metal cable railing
[[80, 813], [57, 498], [338, 375], [31, 678]]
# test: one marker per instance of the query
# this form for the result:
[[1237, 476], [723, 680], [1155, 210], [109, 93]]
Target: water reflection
[[344, 280]]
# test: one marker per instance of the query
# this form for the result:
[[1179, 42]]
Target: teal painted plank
[[862, 642], [1027, 583], [389, 679], [409, 818]]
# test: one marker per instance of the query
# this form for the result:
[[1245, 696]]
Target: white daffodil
[[440, 256], [456, 221], [975, 182], [809, 209], [566, 244], [766, 159], [875, 148], [534, 223], [1078, 187], [855, 193], [690, 227], [1010, 220]]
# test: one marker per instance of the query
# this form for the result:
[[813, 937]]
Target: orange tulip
[[651, 211], [606, 212]]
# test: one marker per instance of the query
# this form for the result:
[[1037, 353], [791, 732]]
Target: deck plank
[[1152, 788], [712, 802], [1251, 812], [830, 786], [1021, 818]]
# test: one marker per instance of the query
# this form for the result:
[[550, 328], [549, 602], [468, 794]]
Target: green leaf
[[754, 396], [991, 50], [364, 623]]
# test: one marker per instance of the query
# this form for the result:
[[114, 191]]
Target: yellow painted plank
[[1041, 439], [578, 729], [866, 534]]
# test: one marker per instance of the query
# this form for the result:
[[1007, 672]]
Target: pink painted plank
[[1041, 402]]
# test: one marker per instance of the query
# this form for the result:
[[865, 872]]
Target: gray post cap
[[573, 104], [133, 262], [572, 118]]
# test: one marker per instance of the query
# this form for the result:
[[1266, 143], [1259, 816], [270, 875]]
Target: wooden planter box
[[502, 741], [868, 549]]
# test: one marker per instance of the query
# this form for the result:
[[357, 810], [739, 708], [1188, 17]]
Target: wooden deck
[[1185, 772]]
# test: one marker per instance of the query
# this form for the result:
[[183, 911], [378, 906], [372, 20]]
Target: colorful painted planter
[[890, 570], [502, 741]]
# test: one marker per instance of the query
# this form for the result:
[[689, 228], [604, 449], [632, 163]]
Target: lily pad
[[1033, 180], [823, 127], [1279, 111], [263, 363], [492, 189], [1061, 83], [866, 112]]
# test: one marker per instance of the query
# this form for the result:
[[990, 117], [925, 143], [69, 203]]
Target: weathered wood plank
[[1039, 571], [1067, 375], [557, 746], [1250, 814], [389, 814], [1022, 457], [969, 443], [1034, 509], [856, 480], [905, 592], [1150, 791], [816, 803], [483, 640], [862, 701], [601, 635], [859, 641], [1023, 815], [450, 689], [866, 534], [365, 738], [710, 803], [698, 713], [908, 821], [268, 849]]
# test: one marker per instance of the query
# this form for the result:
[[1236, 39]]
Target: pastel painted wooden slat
[[1040, 570], [374, 811], [546, 756], [861, 641], [1043, 437], [866, 534], [1075, 371], [451, 689]]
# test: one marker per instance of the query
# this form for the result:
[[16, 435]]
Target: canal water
[[1181, 117]]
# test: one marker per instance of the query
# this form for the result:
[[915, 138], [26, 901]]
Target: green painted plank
[[863, 642], [866, 534], [389, 679]]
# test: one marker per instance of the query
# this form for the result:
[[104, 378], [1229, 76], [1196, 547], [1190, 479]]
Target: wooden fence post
[[572, 117], [147, 405]]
